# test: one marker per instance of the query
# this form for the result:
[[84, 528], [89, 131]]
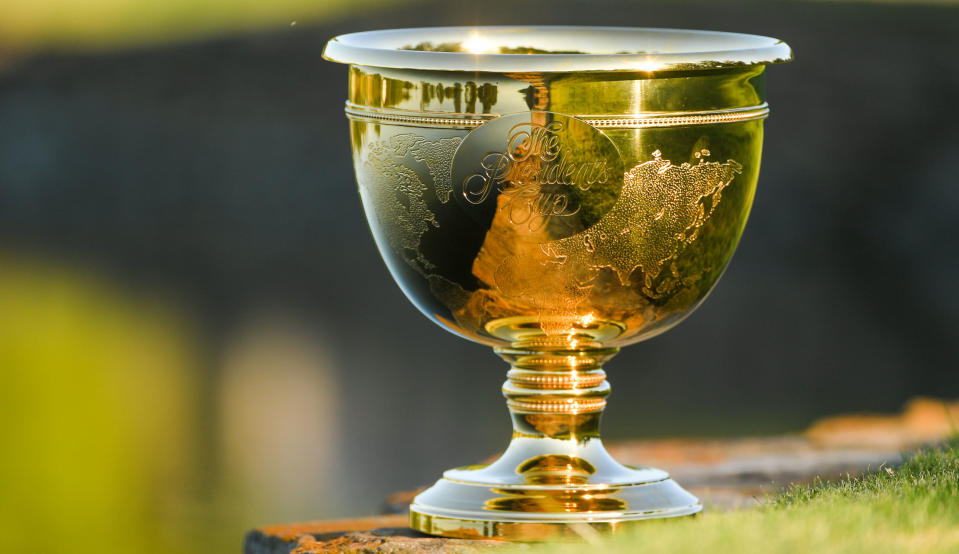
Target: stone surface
[[724, 473], [380, 534]]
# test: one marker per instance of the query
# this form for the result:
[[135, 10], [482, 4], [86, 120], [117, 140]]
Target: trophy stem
[[555, 480], [556, 393]]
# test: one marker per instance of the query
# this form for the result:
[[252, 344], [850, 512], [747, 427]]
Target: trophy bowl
[[556, 193]]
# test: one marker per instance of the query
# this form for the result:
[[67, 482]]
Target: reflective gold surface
[[556, 216], [566, 49]]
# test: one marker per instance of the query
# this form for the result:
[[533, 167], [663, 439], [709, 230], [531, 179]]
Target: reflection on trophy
[[556, 193]]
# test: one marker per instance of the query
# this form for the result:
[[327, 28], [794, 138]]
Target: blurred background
[[197, 335]]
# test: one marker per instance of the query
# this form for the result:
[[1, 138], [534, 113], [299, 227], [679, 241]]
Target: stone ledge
[[379, 534]]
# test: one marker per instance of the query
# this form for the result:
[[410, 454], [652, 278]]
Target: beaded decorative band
[[540, 380], [565, 406], [637, 121]]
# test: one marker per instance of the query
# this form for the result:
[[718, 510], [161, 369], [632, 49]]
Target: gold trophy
[[556, 193]]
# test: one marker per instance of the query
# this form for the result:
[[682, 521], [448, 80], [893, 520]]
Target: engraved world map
[[660, 211]]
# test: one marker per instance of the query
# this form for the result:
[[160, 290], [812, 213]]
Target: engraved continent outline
[[398, 192], [660, 211]]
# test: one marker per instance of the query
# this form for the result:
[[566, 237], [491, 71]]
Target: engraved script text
[[531, 174]]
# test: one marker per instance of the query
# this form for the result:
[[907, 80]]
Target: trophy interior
[[556, 193]]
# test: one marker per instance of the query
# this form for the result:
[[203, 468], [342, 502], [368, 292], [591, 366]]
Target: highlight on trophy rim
[[556, 193]]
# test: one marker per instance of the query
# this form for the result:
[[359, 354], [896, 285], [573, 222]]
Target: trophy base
[[556, 480], [528, 496]]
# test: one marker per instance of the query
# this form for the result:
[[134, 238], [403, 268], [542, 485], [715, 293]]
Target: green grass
[[910, 508]]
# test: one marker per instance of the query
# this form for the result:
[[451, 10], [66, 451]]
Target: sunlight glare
[[476, 44]]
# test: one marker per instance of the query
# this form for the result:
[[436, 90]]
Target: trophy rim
[[598, 49]]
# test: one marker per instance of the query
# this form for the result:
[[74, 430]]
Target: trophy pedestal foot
[[556, 480], [459, 506]]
